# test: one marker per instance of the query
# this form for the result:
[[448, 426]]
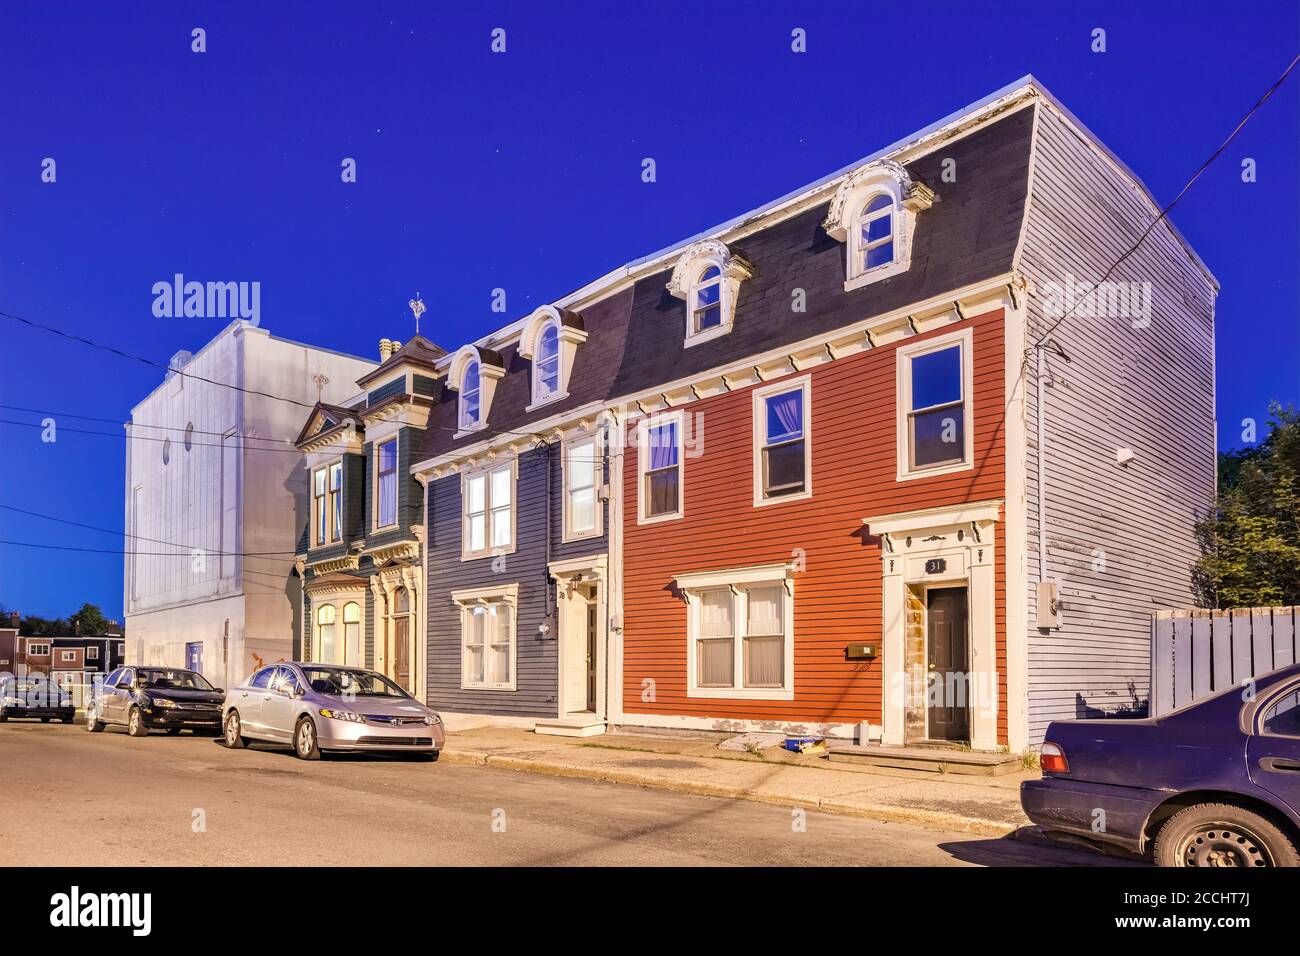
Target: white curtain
[[765, 639], [715, 650]]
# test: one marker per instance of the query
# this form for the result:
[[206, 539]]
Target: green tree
[[90, 620], [1250, 542]]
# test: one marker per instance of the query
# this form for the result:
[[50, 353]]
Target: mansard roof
[[419, 352]]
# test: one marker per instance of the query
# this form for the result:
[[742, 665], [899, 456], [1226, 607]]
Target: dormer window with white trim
[[550, 340], [471, 409], [707, 278], [473, 375], [874, 213]]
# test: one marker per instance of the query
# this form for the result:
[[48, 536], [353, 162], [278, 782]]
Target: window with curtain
[[386, 479], [783, 448], [489, 523], [661, 470], [488, 639], [580, 470], [351, 650], [546, 370], [321, 513], [336, 501], [469, 396], [741, 636], [936, 414], [706, 300], [715, 649], [326, 645], [873, 234]]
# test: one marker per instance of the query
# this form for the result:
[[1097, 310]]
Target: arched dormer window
[[473, 375], [471, 408], [707, 277], [874, 212], [549, 339]]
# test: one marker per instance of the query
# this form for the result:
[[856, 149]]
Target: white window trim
[[642, 459], [67, 655], [910, 198], [858, 274], [903, 401], [503, 593], [560, 390], [396, 437], [690, 265], [33, 652], [598, 486], [738, 580], [489, 550], [568, 338], [804, 383], [92, 653], [330, 541], [488, 376]]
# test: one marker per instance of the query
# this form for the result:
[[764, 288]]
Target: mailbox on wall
[[860, 652]]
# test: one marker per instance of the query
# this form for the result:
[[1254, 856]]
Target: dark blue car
[[1215, 783]]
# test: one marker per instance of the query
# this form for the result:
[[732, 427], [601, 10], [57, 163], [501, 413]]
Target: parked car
[[322, 707], [34, 696], [155, 698], [1215, 783]]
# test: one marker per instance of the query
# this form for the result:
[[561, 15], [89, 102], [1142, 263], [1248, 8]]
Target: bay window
[[386, 483], [336, 501]]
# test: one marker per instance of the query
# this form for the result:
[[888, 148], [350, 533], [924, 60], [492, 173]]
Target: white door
[[576, 620]]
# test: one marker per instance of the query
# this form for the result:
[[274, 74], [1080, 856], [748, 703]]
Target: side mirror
[[218, 690]]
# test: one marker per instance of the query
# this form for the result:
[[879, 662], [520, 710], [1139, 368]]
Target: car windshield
[[343, 681], [174, 680]]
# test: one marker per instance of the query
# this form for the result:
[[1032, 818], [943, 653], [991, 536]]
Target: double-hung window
[[873, 235], [546, 373], [740, 633], [386, 483], [336, 501], [934, 419], [582, 469], [489, 512], [488, 642], [660, 457], [321, 504], [706, 300], [782, 442]]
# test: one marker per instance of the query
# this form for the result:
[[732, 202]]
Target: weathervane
[[417, 309], [321, 381]]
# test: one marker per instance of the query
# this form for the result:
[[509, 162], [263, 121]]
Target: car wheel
[[1220, 834], [66, 720], [3, 716], [135, 723], [305, 745], [173, 731], [93, 725], [45, 720], [232, 732]]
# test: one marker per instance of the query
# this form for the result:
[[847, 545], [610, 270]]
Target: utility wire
[[1165, 212], [118, 421]]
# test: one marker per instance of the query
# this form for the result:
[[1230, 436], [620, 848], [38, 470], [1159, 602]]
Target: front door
[[949, 665], [401, 652], [591, 652], [577, 624]]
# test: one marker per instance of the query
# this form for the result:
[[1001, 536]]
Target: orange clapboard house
[[721, 570]]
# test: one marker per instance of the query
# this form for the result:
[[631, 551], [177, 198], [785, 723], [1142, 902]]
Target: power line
[[1165, 212], [118, 421], [188, 548], [160, 554]]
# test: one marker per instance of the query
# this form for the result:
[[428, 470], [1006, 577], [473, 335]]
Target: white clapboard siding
[[1148, 389]]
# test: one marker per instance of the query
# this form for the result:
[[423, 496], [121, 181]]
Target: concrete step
[[930, 758], [571, 725]]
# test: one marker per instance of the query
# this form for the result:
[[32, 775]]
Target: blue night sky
[[522, 171]]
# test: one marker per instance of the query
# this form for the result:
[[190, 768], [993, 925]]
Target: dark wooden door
[[946, 641], [402, 652], [591, 655]]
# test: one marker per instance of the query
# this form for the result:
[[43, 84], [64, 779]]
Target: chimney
[[13, 619], [385, 350]]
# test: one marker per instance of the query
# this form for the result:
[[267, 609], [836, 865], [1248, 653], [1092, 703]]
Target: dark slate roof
[[419, 351], [334, 414], [636, 338]]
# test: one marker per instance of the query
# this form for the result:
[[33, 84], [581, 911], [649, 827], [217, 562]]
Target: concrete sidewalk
[[986, 805]]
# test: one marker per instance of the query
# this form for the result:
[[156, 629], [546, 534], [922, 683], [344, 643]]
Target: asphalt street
[[75, 798]]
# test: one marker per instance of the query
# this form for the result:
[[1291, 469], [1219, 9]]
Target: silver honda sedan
[[324, 707]]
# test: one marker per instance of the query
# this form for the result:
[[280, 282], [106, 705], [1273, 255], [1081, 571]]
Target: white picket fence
[[1196, 653]]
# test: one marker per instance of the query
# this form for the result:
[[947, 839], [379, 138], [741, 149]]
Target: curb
[[933, 819]]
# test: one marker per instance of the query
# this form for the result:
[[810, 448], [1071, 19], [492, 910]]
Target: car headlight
[[432, 719], [343, 715], [163, 702]]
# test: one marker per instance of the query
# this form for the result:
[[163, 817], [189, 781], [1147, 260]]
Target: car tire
[[1221, 834], [67, 720], [93, 725], [45, 720], [173, 731], [306, 745], [135, 723], [3, 717], [231, 733]]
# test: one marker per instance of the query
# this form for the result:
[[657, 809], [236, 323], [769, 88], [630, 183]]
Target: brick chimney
[[13, 619]]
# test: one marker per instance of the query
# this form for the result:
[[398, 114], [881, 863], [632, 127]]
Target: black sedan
[[156, 698], [1215, 783], [36, 697]]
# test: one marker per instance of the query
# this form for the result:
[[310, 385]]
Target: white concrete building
[[216, 496]]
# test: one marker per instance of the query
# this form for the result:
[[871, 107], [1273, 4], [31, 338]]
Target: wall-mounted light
[[543, 629]]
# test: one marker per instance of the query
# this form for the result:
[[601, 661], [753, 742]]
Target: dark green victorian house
[[361, 553]]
